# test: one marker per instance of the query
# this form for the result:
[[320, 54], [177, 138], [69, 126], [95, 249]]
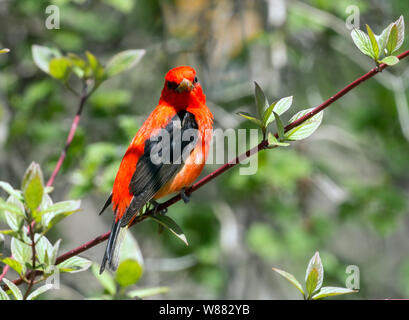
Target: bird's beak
[[185, 86]]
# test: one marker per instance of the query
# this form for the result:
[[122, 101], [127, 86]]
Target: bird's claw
[[184, 196], [156, 207]]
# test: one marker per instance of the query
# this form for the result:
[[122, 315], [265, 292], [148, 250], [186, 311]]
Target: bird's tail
[[113, 247]]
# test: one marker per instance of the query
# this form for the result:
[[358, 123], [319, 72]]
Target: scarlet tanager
[[141, 178]]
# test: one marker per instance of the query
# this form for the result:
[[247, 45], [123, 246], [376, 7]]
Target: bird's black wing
[[163, 157]]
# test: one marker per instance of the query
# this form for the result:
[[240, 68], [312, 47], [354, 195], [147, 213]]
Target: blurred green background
[[342, 192]]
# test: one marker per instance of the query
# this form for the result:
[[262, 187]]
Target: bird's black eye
[[172, 85], [195, 80]]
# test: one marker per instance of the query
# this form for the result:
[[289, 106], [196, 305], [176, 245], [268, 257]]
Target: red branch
[[71, 134], [63, 154], [261, 146]]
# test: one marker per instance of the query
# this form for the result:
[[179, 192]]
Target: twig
[[83, 98], [261, 146], [32, 274], [5, 270]]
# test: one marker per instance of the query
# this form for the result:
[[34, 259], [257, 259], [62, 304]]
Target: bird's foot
[[184, 196], [156, 210]]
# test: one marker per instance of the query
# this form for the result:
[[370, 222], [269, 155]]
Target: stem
[[83, 98], [261, 146], [32, 274], [5, 270]]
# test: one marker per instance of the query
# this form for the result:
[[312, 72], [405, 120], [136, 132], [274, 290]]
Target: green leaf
[[60, 68], [272, 141], [74, 265], [363, 42], [129, 272], [123, 61], [33, 194], [48, 189], [311, 282], [283, 105], [314, 275], [331, 291], [39, 291], [12, 208], [78, 64], [8, 232], [383, 38], [1, 243], [21, 251], [46, 202], [43, 249], [280, 127], [14, 218], [305, 129], [3, 295], [268, 116], [14, 289], [14, 264], [148, 292], [54, 252], [392, 40], [43, 55], [92, 60], [58, 211], [390, 60], [130, 249], [33, 186], [171, 225], [374, 43], [290, 278], [279, 107], [11, 191], [106, 280], [400, 25], [261, 100], [97, 70], [251, 118]]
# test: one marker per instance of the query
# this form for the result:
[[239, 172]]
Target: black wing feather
[[106, 205], [149, 177]]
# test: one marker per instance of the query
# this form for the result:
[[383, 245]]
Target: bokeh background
[[344, 191]]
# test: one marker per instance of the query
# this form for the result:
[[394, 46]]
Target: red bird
[[141, 178]]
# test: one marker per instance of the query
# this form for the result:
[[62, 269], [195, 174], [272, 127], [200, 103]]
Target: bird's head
[[182, 87]]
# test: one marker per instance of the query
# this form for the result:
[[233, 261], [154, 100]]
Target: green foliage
[[129, 272], [314, 277], [345, 188], [270, 113], [380, 48], [305, 129], [14, 290], [123, 61], [30, 213], [61, 67], [171, 225]]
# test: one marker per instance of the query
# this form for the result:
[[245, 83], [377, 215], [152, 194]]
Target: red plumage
[[182, 95]]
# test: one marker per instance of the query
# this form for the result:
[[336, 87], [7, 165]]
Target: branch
[[83, 98], [32, 274], [261, 146], [5, 270]]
